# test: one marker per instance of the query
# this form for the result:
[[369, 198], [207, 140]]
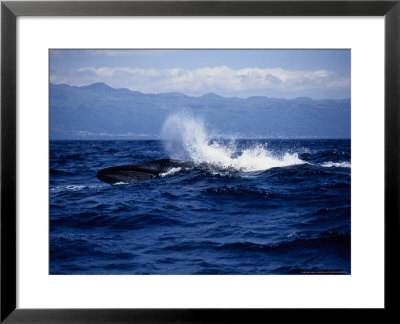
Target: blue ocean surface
[[264, 207]]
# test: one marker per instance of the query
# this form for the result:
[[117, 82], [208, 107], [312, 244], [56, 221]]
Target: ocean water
[[263, 207]]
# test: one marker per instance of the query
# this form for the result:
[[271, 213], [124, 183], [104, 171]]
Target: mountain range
[[98, 111]]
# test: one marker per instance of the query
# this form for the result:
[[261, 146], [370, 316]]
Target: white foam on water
[[74, 188], [170, 172], [68, 187], [336, 164], [185, 137]]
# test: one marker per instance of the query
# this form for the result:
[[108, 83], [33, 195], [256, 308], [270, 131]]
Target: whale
[[139, 172]]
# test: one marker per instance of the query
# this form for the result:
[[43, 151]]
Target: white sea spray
[[186, 137]]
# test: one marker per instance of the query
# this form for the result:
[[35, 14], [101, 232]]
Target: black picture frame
[[10, 10]]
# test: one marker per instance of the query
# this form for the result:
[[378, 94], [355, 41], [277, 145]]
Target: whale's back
[[138, 172]]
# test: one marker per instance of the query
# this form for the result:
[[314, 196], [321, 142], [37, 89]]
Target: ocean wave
[[74, 188], [77, 157], [331, 164], [295, 242], [170, 172], [292, 243], [54, 171], [238, 191], [143, 221]]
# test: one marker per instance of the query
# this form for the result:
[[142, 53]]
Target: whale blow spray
[[185, 137]]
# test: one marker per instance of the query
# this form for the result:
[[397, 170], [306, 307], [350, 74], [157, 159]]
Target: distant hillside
[[101, 112]]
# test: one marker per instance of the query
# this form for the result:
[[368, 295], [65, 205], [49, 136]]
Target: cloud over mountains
[[222, 80]]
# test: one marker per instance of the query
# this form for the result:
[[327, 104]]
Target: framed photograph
[[191, 161]]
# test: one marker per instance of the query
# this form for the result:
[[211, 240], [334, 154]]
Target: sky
[[318, 74]]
